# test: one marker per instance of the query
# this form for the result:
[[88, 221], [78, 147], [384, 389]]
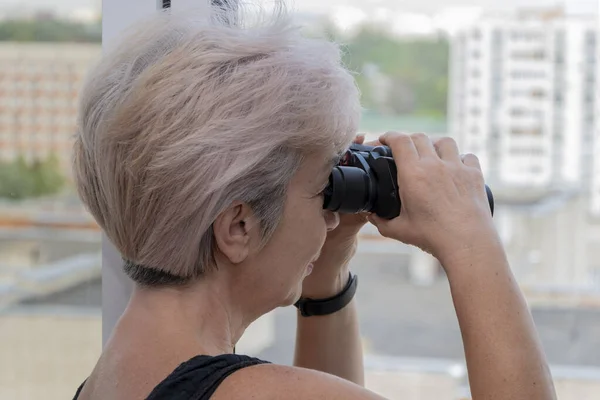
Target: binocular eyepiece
[[365, 180]]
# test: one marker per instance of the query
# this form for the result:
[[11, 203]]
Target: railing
[[47, 279]]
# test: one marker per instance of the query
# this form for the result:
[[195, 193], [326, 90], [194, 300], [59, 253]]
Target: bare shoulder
[[272, 381]]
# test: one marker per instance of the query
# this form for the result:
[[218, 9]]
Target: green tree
[[20, 180], [419, 66], [15, 183], [48, 31], [46, 176]]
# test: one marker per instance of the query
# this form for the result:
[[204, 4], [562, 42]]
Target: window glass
[[500, 82], [514, 83], [50, 248]]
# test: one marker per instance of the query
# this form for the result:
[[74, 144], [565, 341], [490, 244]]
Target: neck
[[204, 317]]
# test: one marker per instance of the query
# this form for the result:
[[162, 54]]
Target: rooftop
[[398, 320]]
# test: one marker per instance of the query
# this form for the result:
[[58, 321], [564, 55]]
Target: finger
[[359, 139], [384, 226], [402, 146], [373, 143], [424, 145], [471, 160], [447, 149], [377, 221]]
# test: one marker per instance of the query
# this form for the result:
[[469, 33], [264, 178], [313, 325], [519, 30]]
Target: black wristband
[[310, 307]]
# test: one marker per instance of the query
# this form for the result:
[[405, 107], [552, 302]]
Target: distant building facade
[[39, 85], [523, 98]]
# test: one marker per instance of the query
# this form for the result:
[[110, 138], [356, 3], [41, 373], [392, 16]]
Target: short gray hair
[[187, 115]]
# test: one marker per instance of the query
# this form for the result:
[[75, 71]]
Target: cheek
[[311, 234], [320, 228], [307, 229]]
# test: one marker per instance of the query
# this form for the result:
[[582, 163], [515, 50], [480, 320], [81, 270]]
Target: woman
[[203, 153]]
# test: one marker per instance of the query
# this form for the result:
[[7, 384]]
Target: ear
[[234, 229]]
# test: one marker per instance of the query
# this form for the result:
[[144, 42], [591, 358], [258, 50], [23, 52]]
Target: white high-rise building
[[523, 98]]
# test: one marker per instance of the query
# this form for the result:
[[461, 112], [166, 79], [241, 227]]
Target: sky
[[315, 5], [406, 15], [426, 17]]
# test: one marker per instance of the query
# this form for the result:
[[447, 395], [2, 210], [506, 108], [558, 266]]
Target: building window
[[558, 98], [527, 74], [590, 38], [560, 45], [591, 58], [590, 78], [590, 118], [535, 55], [526, 131], [517, 112], [527, 151], [538, 55]]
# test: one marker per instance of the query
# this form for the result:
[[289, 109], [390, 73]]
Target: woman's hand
[[444, 203], [330, 272], [445, 211]]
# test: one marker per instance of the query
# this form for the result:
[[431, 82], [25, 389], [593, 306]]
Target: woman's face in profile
[[299, 237]]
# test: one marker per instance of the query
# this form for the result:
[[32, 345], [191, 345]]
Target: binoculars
[[365, 180]]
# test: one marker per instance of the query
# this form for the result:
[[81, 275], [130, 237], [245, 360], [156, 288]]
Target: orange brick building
[[39, 85]]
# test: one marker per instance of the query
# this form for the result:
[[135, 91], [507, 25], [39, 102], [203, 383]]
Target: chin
[[289, 301], [293, 296]]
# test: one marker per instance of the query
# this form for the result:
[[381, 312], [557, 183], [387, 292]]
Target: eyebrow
[[329, 164]]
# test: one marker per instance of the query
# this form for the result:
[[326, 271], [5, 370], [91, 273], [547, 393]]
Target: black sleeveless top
[[197, 378]]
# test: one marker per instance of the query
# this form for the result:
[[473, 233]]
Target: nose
[[332, 220]]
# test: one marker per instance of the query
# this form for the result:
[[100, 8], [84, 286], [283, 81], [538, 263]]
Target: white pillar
[[117, 15]]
